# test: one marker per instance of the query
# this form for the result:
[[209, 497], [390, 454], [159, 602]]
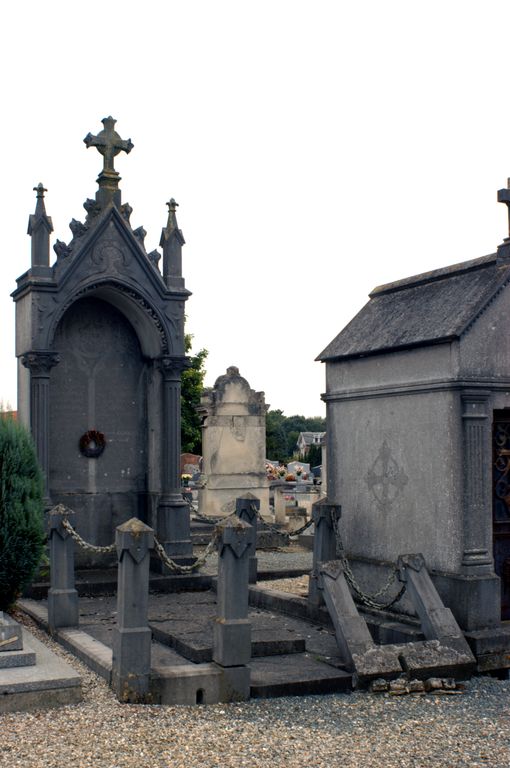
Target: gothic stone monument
[[418, 432], [100, 345], [233, 445]]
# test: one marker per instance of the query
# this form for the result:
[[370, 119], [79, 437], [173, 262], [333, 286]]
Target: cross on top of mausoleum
[[108, 143]]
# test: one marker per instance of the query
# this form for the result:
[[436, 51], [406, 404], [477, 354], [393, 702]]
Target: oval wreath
[[92, 444]]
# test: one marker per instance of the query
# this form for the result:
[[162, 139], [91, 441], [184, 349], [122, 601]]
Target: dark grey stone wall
[[99, 384]]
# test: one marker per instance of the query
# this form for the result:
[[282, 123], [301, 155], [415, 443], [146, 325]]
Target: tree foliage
[[21, 510], [282, 433], [192, 385]]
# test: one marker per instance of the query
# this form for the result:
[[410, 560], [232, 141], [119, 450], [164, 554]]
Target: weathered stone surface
[[234, 444], [48, 683], [11, 638], [100, 335]]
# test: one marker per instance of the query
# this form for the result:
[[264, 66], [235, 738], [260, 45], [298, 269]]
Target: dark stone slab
[[295, 675], [10, 659]]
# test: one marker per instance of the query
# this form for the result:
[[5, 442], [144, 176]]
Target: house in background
[[306, 440]]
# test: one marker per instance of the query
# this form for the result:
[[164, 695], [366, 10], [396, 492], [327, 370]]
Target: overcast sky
[[316, 150]]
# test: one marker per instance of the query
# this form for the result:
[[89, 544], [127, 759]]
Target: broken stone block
[[379, 686], [433, 684]]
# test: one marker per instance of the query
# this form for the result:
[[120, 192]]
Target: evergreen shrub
[[21, 510]]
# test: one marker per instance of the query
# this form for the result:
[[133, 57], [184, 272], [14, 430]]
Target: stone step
[[197, 646], [296, 675]]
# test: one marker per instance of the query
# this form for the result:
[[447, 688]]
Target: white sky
[[316, 150]]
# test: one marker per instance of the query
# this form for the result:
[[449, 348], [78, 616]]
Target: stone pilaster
[[173, 528], [476, 555], [40, 364]]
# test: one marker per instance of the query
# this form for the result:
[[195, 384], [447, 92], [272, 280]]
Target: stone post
[[132, 636], [173, 528], [247, 508], [476, 557], [62, 595], [232, 629], [325, 516], [40, 364]]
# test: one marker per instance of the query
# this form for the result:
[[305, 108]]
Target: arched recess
[[106, 341], [149, 325]]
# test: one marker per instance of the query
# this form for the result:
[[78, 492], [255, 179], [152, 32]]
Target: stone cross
[[108, 143]]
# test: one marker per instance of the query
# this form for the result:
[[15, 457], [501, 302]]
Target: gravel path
[[336, 731]]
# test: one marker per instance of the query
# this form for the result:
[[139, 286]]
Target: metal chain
[[369, 600], [85, 544], [175, 567], [303, 528]]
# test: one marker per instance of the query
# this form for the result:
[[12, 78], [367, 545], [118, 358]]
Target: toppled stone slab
[[432, 657], [376, 662]]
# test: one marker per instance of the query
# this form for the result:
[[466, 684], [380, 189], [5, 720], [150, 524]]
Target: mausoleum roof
[[429, 308]]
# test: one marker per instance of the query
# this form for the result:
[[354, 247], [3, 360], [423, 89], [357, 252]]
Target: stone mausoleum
[[100, 345], [418, 432]]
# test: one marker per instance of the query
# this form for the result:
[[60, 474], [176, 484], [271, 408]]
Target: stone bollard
[[247, 508], [132, 637], [324, 515], [62, 595], [232, 628]]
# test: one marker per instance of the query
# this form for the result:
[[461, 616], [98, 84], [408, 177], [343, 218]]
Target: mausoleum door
[[99, 390], [501, 504]]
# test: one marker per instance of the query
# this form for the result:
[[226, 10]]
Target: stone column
[[476, 556], [247, 509], [132, 637], [173, 528], [40, 364], [325, 517], [62, 595]]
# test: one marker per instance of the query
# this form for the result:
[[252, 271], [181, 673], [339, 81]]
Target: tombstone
[[300, 469], [418, 433], [100, 348], [233, 445]]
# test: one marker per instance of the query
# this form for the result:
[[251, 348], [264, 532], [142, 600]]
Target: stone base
[[475, 600], [220, 502], [10, 634], [200, 684], [231, 642], [49, 683]]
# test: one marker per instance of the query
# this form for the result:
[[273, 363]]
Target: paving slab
[[49, 683], [293, 675]]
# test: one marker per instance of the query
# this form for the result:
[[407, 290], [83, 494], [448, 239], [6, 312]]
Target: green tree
[[192, 385], [314, 455], [21, 510], [282, 433], [276, 439]]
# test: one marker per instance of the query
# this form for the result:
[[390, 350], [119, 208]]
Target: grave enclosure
[[415, 384]]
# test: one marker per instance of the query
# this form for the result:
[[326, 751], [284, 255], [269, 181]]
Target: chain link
[[85, 544], [182, 569], [369, 600]]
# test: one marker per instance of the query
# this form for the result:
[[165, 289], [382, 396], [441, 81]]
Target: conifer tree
[[21, 510]]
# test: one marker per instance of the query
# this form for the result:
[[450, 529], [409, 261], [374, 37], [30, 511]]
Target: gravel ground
[[359, 730]]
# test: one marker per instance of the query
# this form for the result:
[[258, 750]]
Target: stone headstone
[[233, 444]]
